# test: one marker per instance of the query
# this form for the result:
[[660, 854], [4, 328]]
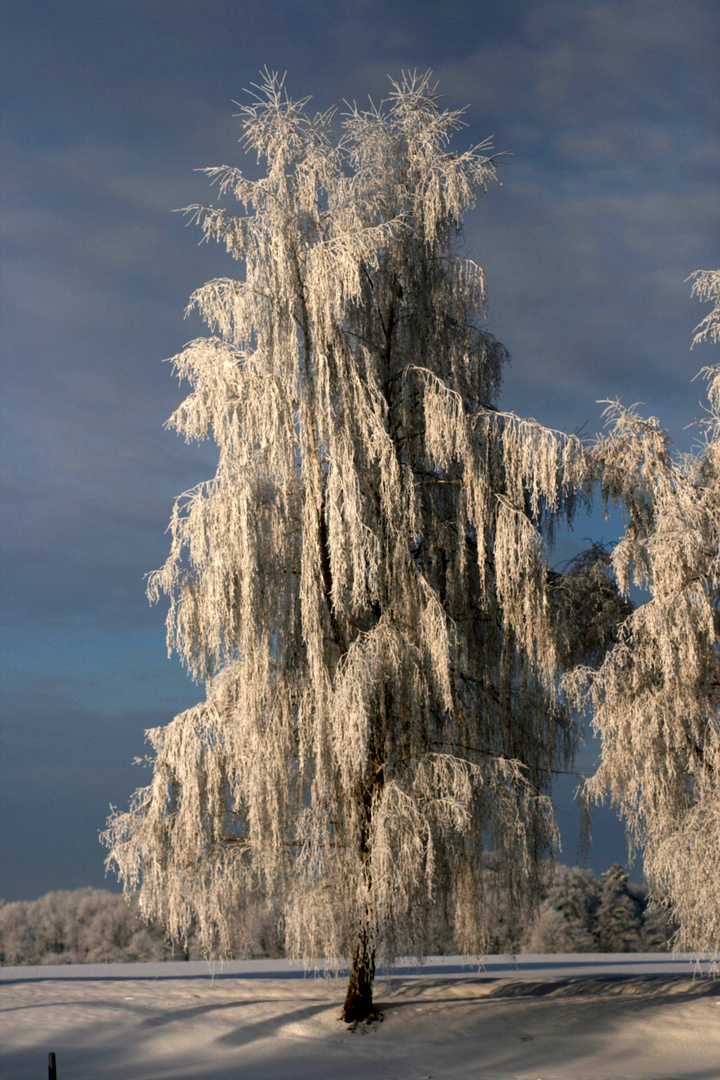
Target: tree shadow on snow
[[515, 1025], [628, 986]]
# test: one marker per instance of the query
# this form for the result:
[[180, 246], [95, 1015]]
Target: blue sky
[[609, 201]]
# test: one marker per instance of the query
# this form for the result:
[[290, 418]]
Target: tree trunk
[[358, 1000]]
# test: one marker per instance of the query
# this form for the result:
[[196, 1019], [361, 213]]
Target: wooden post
[[52, 1067]]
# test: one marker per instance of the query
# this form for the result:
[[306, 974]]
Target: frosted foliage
[[706, 286], [362, 585], [656, 696], [556, 932], [87, 926]]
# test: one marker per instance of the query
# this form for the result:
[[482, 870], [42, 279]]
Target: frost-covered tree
[[565, 920], [362, 585], [656, 696], [555, 932], [618, 918]]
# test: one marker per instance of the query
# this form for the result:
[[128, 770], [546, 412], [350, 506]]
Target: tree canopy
[[363, 584]]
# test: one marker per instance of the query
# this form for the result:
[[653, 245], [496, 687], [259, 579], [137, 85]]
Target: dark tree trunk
[[358, 1000]]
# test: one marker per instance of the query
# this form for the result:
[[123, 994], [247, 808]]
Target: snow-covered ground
[[543, 1018]]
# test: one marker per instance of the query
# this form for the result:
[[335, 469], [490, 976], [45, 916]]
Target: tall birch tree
[[655, 699], [362, 586]]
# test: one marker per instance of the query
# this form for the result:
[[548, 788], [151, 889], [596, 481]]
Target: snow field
[[266, 1022]]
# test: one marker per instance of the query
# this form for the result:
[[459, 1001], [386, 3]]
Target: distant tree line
[[578, 913], [581, 913], [95, 926]]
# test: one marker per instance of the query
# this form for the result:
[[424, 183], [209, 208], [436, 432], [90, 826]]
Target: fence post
[[52, 1068]]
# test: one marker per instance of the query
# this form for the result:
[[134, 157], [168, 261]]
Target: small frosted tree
[[656, 697], [566, 916], [362, 585], [618, 916]]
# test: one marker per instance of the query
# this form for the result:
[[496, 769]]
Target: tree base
[[358, 1007], [373, 1017]]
